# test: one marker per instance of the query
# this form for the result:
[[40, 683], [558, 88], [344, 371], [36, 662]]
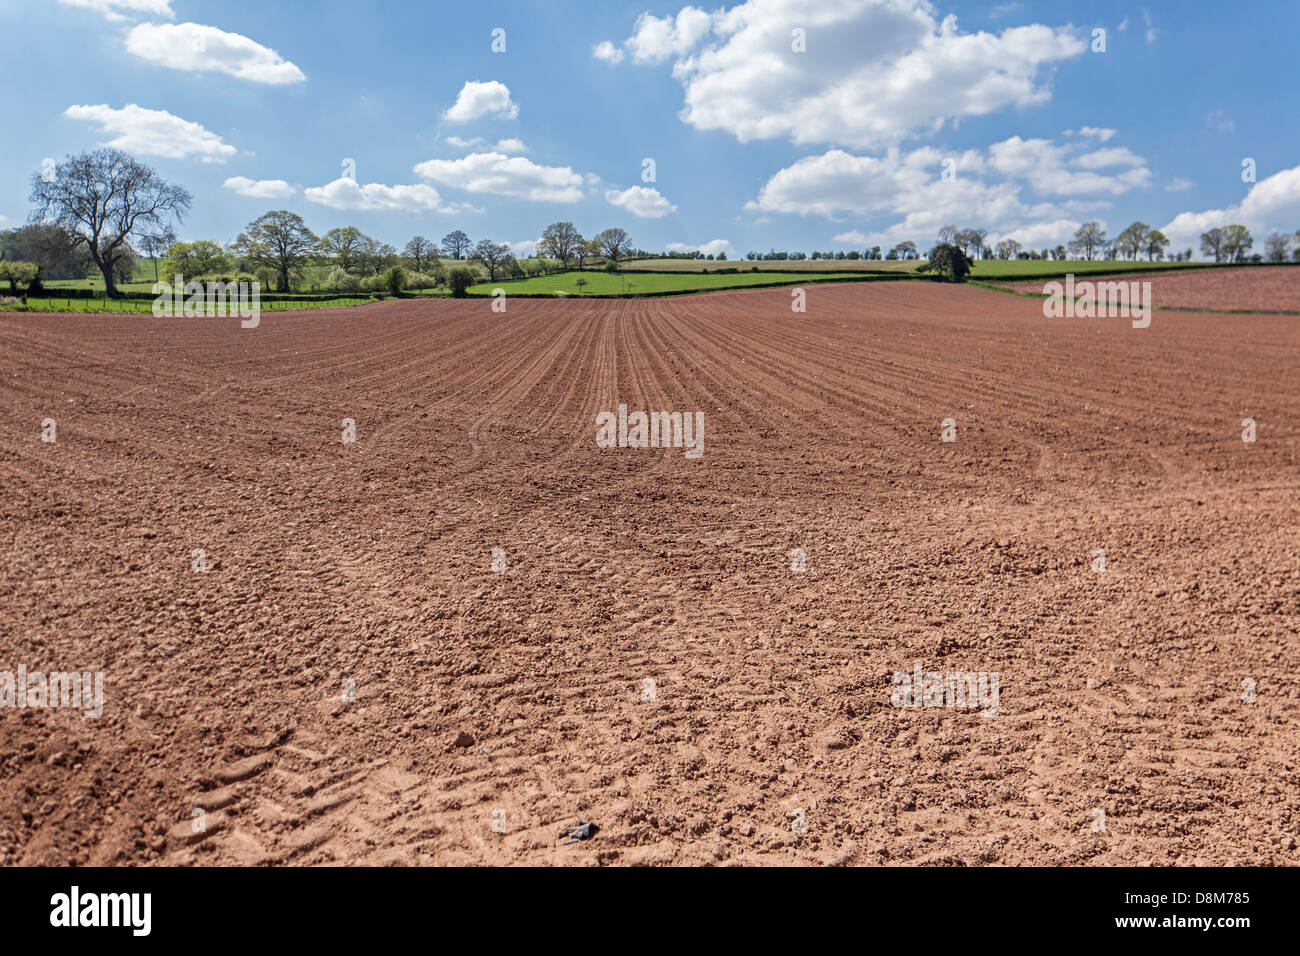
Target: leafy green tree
[[395, 280], [1132, 240], [1155, 243], [1236, 242], [279, 241], [560, 240], [614, 244], [26, 273], [346, 245], [460, 279], [192, 259], [948, 261]]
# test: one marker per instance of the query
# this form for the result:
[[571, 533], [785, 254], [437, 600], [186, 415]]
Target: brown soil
[[516, 698], [1257, 288]]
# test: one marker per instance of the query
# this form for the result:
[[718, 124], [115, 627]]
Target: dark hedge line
[[149, 296], [722, 288], [784, 272]]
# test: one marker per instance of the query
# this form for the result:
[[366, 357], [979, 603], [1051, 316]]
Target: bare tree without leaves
[[1276, 247], [421, 252], [101, 199], [455, 244], [494, 256], [154, 244], [277, 240], [1090, 237]]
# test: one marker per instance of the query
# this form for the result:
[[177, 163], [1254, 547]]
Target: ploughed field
[[351, 681], [1252, 288]]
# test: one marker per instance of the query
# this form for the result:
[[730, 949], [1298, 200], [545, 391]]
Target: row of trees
[[563, 242], [98, 207], [1089, 242], [95, 209]]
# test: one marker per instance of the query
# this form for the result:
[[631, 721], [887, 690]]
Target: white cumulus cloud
[[604, 50], [655, 39], [259, 188], [203, 49], [1102, 133], [872, 71], [989, 190], [1272, 204], [1045, 166], [124, 9], [347, 194], [153, 132], [477, 100], [501, 175], [641, 201]]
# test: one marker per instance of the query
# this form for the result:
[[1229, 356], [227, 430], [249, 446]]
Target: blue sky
[[255, 106]]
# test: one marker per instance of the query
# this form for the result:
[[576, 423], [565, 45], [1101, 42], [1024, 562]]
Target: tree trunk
[[110, 288], [284, 280]]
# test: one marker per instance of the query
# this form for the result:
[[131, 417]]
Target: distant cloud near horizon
[[710, 248], [1273, 204]]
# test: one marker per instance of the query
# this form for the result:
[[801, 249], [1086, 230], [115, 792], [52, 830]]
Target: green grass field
[[630, 283], [142, 281], [789, 265]]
